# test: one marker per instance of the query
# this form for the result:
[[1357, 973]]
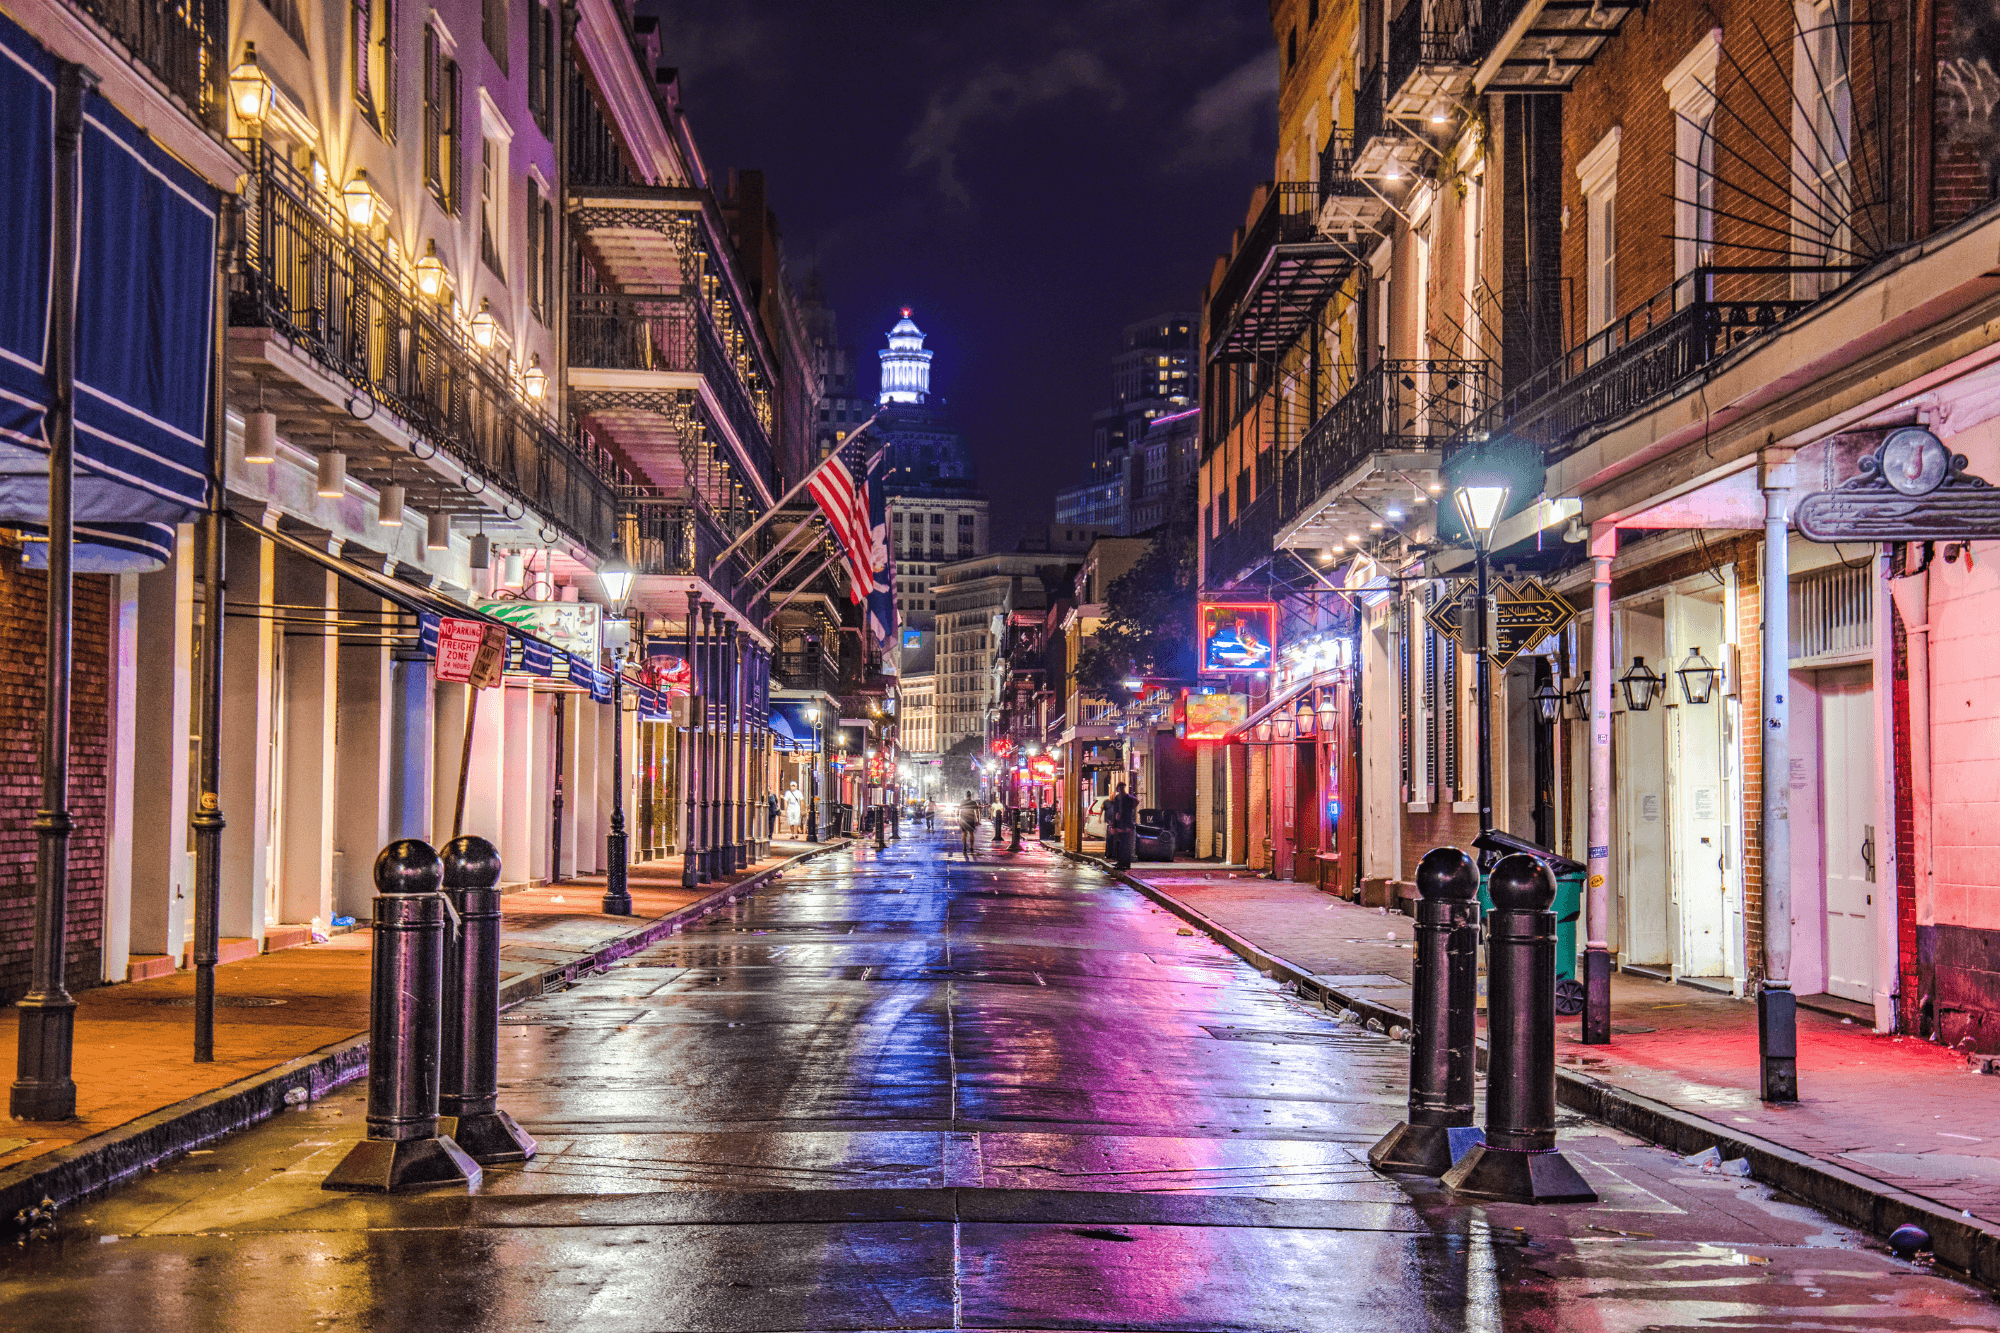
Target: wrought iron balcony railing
[[806, 669], [669, 332], [1430, 33], [675, 536], [179, 40], [1401, 406], [339, 297], [1641, 356]]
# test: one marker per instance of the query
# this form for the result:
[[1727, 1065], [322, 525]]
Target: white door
[[1638, 778], [1696, 797], [1848, 824]]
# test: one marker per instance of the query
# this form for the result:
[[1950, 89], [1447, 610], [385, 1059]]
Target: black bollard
[[403, 1150], [469, 1062], [1444, 996], [1519, 1163]]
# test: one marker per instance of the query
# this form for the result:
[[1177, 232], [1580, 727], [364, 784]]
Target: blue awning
[[144, 312], [790, 725]]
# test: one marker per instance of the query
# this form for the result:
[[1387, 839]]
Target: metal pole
[[1444, 997], [403, 1149], [1482, 674], [812, 775], [617, 897], [777, 549], [1597, 945], [1777, 1011], [732, 750], [465, 759], [469, 1041], [556, 797], [805, 583], [711, 795], [1519, 1163], [691, 769], [43, 1088]]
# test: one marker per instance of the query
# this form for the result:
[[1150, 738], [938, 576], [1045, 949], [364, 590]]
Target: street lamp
[[819, 757], [615, 576], [1479, 506]]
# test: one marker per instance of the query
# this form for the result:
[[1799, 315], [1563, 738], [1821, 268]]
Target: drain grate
[[222, 1001]]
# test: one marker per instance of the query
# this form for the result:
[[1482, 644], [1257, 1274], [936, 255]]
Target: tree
[[1149, 612]]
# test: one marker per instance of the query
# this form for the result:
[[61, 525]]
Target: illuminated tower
[[906, 366]]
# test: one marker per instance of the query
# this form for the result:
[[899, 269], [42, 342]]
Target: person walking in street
[[930, 814], [968, 825], [1121, 823], [771, 814], [793, 804]]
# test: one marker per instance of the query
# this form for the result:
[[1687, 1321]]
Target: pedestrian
[[1121, 823], [793, 803], [930, 814], [968, 825], [999, 816], [771, 814]]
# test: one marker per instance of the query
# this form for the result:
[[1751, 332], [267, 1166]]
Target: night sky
[[1026, 176]]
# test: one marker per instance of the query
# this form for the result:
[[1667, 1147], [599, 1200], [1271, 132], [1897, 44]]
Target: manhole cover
[[222, 1002]]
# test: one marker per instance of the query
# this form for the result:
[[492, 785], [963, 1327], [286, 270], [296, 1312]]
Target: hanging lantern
[[535, 379], [1548, 702], [1579, 696], [332, 475], [1699, 677], [1328, 711], [359, 198], [389, 507], [260, 437], [482, 553], [1642, 685], [485, 329], [250, 90], [1302, 721], [430, 271], [438, 538], [1282, 724], [1263, 730]]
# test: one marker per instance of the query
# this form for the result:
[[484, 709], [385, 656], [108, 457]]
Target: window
[[1291, 48], [1598, 173], [287, 14], [542, 42], [541, 252], [441, 122], [372, 32], [493, 27], [492, 217], [1822, 130], [1691, 97]]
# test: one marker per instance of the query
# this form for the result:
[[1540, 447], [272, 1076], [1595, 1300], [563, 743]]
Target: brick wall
[[1966, 141], [23, 606]]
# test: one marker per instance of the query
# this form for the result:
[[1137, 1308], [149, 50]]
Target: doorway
[[1848, 840], [1639, 769]]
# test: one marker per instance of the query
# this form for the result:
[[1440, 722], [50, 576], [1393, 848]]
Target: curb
[[102, 1161], [1966, 1244]]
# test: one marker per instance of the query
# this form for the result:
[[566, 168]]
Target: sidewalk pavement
[[292, 1026], [1888, 1129]]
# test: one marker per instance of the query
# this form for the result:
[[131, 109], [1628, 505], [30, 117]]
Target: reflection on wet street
[[891, 1092]]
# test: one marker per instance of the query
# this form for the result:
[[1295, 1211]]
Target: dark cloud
[[1029, 177]]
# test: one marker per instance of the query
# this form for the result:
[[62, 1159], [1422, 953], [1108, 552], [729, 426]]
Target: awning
[[144, 310], [1286, 702]]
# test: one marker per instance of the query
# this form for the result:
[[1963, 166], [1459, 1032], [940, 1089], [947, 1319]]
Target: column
[[732, 771], [711, 745], [539, 790], [1597, 914], [249, 638], [361, 762], [567, 750], [584, 838], [447, 749], [120, 779], [312, 665], [485, 790], [691, 749], [413, 752], [162, 874], [1777, 1026], [523, 798]]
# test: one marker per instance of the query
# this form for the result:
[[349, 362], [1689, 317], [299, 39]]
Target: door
[[1305, 817], [1638, 768], [1696, 795], [1848, 823]]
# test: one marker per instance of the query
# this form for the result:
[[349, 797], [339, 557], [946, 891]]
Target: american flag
[[846, 508]]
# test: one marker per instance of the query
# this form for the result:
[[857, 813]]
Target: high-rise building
[[1144, 446], [906, 366], [842, 405]]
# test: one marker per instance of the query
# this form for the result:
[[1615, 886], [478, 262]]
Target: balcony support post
[[691, 767], [711, 814], [732, 751], [1777, 1012], [1597, 926]]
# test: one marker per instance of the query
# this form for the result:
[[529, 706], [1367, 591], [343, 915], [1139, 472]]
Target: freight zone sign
[[471, 652]]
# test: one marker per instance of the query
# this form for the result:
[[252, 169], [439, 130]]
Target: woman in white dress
[[792, 809]]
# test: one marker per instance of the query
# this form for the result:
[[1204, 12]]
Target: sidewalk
[[294, 1023], [1888, 1129]]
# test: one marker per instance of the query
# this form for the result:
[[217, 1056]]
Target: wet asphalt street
[[891, 1092]]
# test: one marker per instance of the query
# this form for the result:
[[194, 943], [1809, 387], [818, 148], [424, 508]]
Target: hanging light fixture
[[260, 437], [1479, 509], [430, 271], [1263, 730], [535, 379], [1641, 685], [1329, 711], [332, 475], [359, 198], [484, 327], [1699, 677], [482, 552], [1282, 725], [389, 506], [1302, 720], [439, 536], [516, 569], [250, 90], [1578, 697], [1548, 702]]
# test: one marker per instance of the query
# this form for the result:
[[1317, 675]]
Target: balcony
[[1433, 46], [314, 283], [1287, 265], [1356, 461], [1644, 355], [806, 669], [179, 40], [1385, 147], [671, 539], [1519, 47]]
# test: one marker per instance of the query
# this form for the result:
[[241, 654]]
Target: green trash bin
[[1568, 908]]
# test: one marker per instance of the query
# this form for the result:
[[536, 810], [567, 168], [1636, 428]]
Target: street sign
[[1525, 613], [471, 652]]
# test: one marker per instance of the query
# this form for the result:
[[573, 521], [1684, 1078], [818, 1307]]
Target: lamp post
[[616, 577], [812, 776], [1479, 507]]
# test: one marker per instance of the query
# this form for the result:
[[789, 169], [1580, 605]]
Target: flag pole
[[790, 495]]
